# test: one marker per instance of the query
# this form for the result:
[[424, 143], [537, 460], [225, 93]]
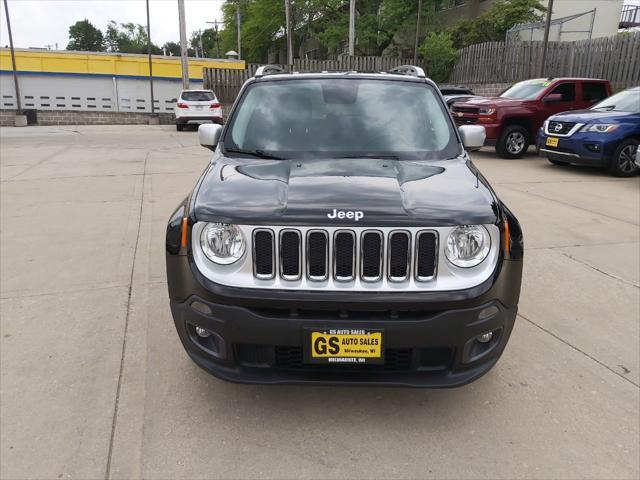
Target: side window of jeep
[[567, 90]]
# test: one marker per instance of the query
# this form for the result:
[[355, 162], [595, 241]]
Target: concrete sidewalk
[[95, 384]]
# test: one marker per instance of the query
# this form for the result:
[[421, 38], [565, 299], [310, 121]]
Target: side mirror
[[473, 136], [173, 100], [552, 97], [209, 134]]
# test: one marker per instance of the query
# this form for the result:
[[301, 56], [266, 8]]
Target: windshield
[[203, 96], [626, 101], [528, 90], [342, 117]]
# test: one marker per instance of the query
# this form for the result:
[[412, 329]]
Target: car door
[[591, 93], [568, 101]]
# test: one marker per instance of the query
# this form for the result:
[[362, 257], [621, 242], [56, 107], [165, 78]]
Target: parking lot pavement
[[95, 384]]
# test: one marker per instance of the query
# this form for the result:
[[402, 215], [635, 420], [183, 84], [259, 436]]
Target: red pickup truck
[[512, 119]]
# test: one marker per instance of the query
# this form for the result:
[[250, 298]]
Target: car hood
[[304, 192], [591, 116], [495, 102]]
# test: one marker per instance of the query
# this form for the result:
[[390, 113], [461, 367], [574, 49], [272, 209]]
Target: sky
[[37, 23]]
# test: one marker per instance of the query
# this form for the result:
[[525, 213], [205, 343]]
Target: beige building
[[606, 17]]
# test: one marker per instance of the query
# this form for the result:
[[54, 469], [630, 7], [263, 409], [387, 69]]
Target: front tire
[[513, 143], [623, 161]]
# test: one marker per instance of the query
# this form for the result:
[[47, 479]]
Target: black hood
[[304, 192]]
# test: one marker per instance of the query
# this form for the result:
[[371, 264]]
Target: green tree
[[128, 38], [83, 36], [171, 48], [492, 25], [210, 44], [439, 55]]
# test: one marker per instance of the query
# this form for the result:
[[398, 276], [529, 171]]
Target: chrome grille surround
[[447, 277]]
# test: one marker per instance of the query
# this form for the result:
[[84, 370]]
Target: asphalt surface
[[95, 384]]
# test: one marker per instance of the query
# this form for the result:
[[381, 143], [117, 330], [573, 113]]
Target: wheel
[[622, 164], [513, 143], [179, 127]]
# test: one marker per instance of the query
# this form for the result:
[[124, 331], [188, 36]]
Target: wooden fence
[[616, 59], [227, 82]]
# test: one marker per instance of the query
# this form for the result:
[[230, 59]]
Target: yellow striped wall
[[126, 65]]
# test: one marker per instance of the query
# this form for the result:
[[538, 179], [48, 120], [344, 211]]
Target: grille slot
[[317, 255], [263, 254], [560, 128], [371, 256], [426, 255], [399, 256], [344, 256], [290, 255]]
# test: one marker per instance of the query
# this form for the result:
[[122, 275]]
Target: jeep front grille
[[368, 254]]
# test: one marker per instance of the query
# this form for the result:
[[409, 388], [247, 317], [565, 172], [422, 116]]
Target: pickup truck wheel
[[513, 143], [179, 127], [622, 164]]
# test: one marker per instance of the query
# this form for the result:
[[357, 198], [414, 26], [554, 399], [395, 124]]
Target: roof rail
[[409, 70], [267, 70]]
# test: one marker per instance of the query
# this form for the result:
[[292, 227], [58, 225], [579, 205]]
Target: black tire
[[514, 142], [622, 164], [179, 127]]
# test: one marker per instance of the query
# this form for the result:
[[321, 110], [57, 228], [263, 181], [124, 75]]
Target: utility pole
[[215, 26], [547, 27], [238, 23], [415, 49], [184, 53], [153, 105], [352, 27], [287, 13], [13, 61]]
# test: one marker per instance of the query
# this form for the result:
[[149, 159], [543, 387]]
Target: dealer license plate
[[552, 141], [345, 346]]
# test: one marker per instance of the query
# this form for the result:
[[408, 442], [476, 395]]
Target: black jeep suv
[[341, 234]]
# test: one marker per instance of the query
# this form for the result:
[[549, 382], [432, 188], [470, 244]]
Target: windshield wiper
[[606, 107], [254, 153]]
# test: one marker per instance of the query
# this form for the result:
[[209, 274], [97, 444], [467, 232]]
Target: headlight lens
[[600, 127], [487, 111], [222, 243], [468, 245]]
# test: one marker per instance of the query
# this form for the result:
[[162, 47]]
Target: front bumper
[[580, 148], [261, 336], [199, 119]]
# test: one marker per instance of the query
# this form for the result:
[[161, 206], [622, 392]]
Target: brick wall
[[68, 117]]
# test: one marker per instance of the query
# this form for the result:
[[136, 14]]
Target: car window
[[197, 96], [567, 90], [625, 101], [343, 117], [593, 92], [527, 90]]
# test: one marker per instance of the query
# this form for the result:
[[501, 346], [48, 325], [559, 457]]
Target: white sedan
[[197, 106]]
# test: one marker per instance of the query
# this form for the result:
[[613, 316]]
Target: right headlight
[[467, 245], [222, 243]]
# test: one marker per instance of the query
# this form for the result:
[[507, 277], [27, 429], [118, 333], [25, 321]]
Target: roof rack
[[268, 70], [409, 70]]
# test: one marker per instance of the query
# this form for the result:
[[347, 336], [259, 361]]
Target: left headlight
[[600, 127], [222, 243], [468, 245]]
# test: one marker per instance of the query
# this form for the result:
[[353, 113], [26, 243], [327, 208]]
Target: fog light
[[485, 337], [202, 332]]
